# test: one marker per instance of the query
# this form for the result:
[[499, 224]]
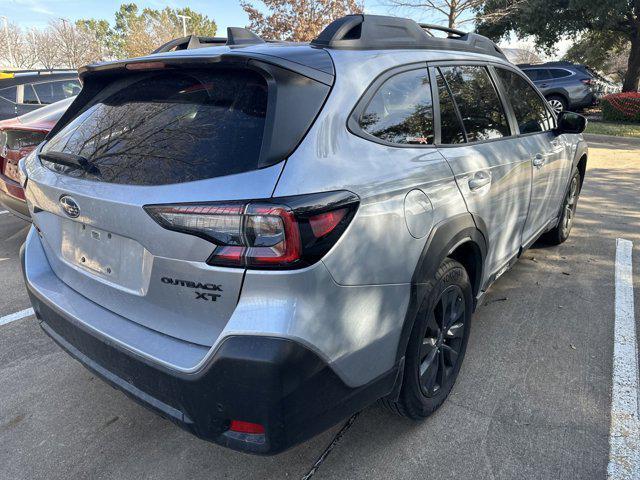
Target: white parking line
[[624, 434], [16, 316], [3, 212]]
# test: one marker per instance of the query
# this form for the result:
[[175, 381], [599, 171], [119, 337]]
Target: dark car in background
[[18, 137], [565, 85], [25, 91]]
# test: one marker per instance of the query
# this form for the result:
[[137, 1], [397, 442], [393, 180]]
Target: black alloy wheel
[[442, 343]]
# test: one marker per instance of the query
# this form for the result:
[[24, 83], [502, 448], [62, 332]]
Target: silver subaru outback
[[258, 239]]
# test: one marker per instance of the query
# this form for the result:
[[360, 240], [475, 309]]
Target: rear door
[[490, 169], [187, 136], [547, 151]]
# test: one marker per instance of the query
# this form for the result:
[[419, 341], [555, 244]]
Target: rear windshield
[[168, 127]]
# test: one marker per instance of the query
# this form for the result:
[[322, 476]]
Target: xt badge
[[206, 296]]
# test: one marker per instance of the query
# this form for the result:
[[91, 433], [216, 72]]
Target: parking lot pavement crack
[[323, 456]]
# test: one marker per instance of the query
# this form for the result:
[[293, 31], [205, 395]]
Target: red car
[[18, 137]]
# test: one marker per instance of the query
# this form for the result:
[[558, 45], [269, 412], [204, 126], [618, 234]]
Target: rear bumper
[[275, 382], [588, 100], [10, 198]]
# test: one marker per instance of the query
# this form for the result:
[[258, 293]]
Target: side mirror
[[570, 122]]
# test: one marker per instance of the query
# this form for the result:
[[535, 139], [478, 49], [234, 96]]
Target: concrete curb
[[612, 139]]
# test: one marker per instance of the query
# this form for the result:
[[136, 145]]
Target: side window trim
[[506, 104], [435, 100], [453, 101], [353, 125]]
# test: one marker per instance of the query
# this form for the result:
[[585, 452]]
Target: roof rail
[[450, 31], [235, 36], [377, 32]]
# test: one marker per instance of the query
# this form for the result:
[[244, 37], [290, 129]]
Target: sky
[[226, 13], [36, 13]]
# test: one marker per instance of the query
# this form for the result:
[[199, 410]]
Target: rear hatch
[[163, 133]]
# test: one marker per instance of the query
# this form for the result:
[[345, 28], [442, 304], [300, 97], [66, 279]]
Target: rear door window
[[529, 108], [480, 107], [29, 96], [559, 73], [50, 92], [538, 74], [168, 127], [401, 110]]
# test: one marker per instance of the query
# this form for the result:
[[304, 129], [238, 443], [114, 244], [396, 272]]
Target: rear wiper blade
[[69, 160]]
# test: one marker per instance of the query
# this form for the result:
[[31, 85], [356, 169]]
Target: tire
[[426, 384], [558, 103], [561, 232]]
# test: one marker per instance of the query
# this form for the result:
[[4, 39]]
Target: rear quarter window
[[169, 127], [401, 110]]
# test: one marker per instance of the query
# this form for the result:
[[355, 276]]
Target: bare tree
[[297, 20], [76, 46], [526, 54], [15, 49], [47, 52], [456, 12]]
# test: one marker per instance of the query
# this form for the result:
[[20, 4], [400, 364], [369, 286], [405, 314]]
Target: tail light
[[14, 145], [291, 232], [239, 426]]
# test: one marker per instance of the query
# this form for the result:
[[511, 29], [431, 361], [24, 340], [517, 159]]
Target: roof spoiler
[[235, 36], [378, 32]]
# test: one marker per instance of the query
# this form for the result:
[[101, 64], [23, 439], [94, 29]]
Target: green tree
[[137, 32], [604, 53], [550, 20], [103, 33]]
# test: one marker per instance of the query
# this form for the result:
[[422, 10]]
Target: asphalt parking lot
[[533, 399]]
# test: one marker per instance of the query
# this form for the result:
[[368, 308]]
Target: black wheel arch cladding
[[443, 240]]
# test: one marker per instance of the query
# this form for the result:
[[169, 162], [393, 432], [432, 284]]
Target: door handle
[[538, 160], [479, 180], [544, 85]]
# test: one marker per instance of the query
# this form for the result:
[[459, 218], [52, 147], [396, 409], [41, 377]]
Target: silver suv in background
[[565, 85], [257, 240]]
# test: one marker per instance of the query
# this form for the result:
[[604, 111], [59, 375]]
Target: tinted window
[[8, 93], [160, 128], [559, 73], [401, 111], [451, 130], [478, 102], [538, 74], [29, 96], [50, 92], [529, 108]]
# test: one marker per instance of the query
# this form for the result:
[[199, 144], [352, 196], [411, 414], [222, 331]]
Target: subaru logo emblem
[[70, 206]]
